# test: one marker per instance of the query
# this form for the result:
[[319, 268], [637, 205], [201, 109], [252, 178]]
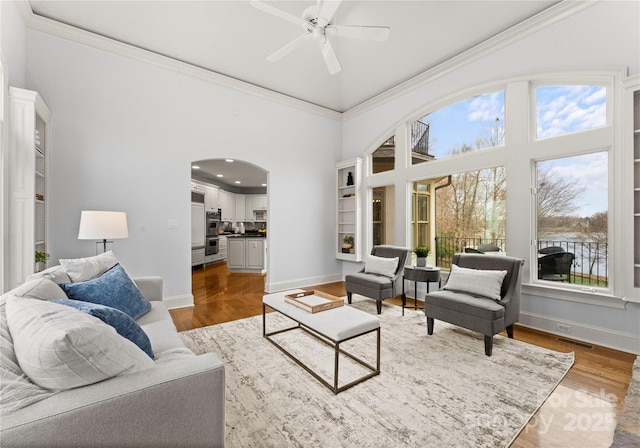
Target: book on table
[[314, 301]]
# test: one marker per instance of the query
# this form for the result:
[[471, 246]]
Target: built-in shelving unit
[[636, 187], [28, 165], [349, 210]]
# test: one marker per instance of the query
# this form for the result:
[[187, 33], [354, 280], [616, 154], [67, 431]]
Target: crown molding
[[93, 40], [543, 19]]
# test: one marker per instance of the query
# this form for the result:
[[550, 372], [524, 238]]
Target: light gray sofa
[[178, 402]]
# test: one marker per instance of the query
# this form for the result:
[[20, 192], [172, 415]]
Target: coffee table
[[332, 327]]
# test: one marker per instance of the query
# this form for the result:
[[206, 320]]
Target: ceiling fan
[[316, 22]]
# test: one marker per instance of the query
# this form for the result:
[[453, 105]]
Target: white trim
[[530, 26], [617, 340], [181, 301], [302, 282], [83, 37]]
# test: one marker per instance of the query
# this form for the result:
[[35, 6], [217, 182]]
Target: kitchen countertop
[[239, 235]]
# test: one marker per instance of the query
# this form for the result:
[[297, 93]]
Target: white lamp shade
[[103, 225]]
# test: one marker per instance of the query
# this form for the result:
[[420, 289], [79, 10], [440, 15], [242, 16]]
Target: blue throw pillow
[[124, 325], [114, 288]]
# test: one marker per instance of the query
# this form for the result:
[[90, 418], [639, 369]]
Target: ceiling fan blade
[[378, 33], [327, 10], [277, 12], [330, 58], [295, 43]]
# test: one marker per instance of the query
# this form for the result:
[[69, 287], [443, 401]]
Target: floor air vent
[[579, 344]]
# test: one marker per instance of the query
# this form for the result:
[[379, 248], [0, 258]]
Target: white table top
[[337, 323]]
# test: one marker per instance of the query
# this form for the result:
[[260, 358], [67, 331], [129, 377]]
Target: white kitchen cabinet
[[241, 214], [227, 203], [27, 183], [253, 203], [235, 253], [211, 201], [254, 252], [246, 254]]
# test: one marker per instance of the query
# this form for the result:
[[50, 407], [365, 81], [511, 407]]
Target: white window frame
[[519, 154]]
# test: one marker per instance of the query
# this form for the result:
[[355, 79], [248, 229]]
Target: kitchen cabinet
[[235, 253], [241, 214], [227, 203], [246, 254], [28, 194], [349, 210], [253, 203], [211, 198]]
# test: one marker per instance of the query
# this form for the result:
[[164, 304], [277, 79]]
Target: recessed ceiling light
[[264, 185], [238, 182], [219, 175], [228, 160], [195, 167]]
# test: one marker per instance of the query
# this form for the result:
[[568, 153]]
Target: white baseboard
[[183, 301], [299, 283], [618, 340]]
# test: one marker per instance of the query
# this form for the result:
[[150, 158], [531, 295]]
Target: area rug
[[627, 433], [433, 391]]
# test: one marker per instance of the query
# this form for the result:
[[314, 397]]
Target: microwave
[[260, 215]]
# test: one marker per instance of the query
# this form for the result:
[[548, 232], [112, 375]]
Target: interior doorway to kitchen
[[230, 198]]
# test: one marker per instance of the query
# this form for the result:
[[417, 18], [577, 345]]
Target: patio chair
[[476, 299], [489, 248], [471, 250], [551, 250], [556, 267], [379, 286]]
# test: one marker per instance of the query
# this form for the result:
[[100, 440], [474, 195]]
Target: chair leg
[[488, 345], [349, 297], [510, 331], [379, 306], [430, 325]]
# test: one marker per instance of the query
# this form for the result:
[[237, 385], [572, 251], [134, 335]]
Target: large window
[[471, 213], [566, 109], [572, 217], [545, 144], [470, 125], [384, 158]]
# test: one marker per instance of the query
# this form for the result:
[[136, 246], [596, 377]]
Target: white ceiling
[[233, 39], [237, 175]]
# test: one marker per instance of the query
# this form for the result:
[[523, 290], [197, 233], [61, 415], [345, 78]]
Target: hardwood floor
[[581, 412]]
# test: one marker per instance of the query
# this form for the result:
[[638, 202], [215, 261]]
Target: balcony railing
[[589, 267], [420, 137]]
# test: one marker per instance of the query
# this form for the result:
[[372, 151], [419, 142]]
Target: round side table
[[419, 274]]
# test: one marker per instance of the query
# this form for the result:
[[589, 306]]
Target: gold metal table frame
[[329, 341]]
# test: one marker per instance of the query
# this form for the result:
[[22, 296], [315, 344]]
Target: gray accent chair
[[478, 313], [379, 287]]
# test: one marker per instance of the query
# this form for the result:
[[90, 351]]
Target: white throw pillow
[[381, 265], [40, 288], [486, 283], [83, 269], [59, 347], [16, 391]]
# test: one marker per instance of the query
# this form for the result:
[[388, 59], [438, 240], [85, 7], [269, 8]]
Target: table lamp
[[99, 225]]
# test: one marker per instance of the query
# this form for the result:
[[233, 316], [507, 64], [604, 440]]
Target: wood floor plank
[[581, 412]]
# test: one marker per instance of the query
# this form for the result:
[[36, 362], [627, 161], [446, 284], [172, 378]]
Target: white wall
[[606, 34], [13, 43], [124, 133]]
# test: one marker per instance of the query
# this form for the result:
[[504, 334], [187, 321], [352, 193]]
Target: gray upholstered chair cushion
[[475, 312], [379, 287]]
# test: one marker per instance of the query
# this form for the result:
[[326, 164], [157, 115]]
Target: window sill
[[596, 298]]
